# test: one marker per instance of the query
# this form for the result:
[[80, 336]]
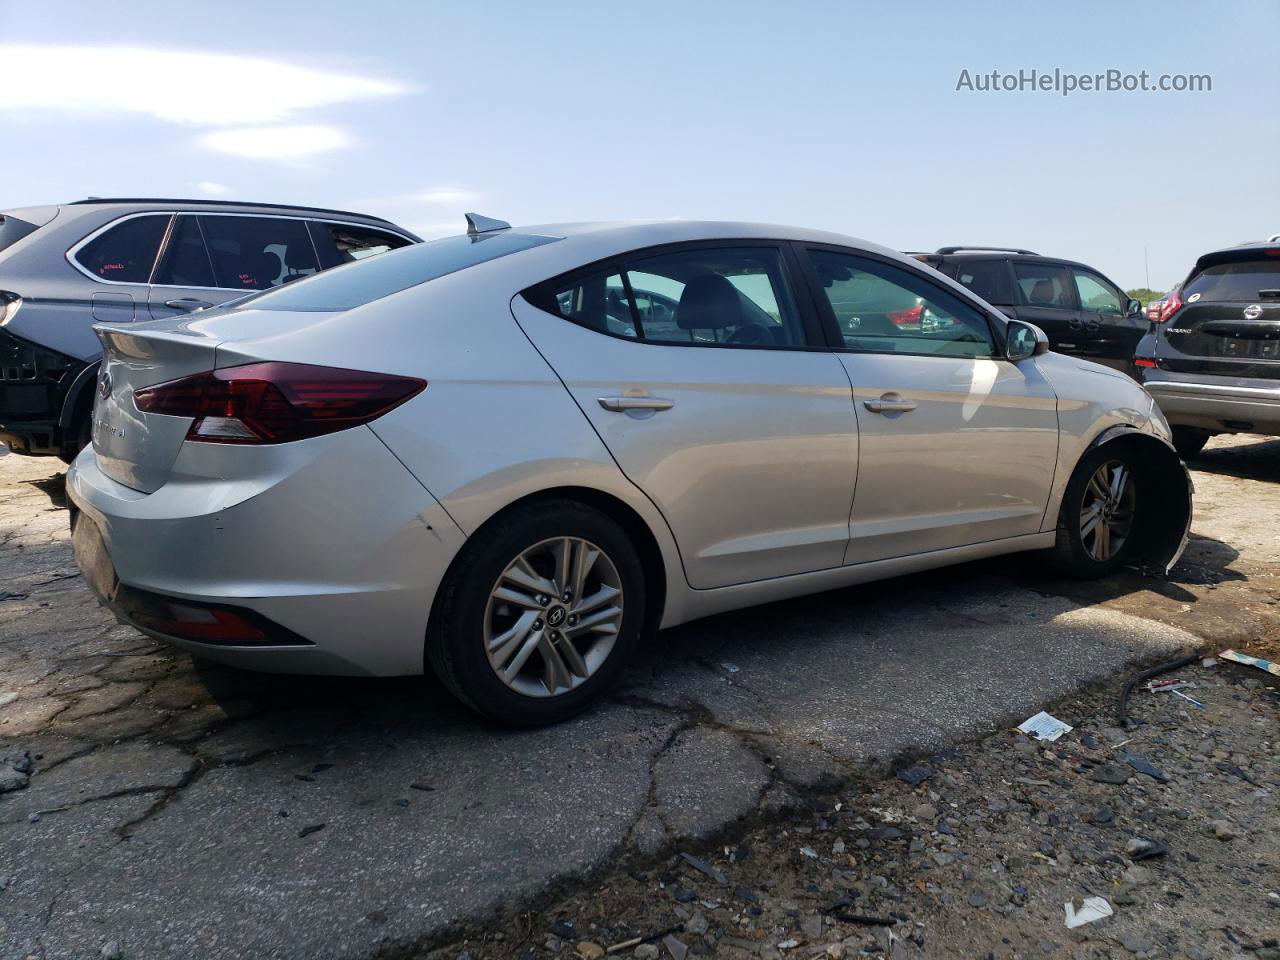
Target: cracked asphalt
[[179, 809]]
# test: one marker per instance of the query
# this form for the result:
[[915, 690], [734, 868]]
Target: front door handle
[[623, 404], [188, 304], [890, 403]]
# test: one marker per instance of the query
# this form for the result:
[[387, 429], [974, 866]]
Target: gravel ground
[[1174, 821]]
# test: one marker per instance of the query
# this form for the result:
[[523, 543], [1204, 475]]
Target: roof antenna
[[477, 224]]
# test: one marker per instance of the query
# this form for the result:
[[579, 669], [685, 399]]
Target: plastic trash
[[1091, 909], [1044, 727], [1249, 661]]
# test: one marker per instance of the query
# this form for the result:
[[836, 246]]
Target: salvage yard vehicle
[[64, 268], [1082, 312], [452, 457], [1212, 356]]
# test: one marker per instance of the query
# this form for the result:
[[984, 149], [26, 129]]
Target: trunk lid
[[138, 449], [1229, 323]]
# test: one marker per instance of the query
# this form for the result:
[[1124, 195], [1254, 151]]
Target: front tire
[[1100, 515], [539, 614]]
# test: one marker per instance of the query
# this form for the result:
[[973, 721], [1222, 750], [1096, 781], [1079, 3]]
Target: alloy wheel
[[1106, 515], [553, 617]]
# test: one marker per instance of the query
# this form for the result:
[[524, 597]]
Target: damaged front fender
[[1165, 523]]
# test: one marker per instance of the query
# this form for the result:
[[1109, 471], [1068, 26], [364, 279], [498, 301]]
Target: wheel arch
[[618, 510], [78, 400], [1165, 528]]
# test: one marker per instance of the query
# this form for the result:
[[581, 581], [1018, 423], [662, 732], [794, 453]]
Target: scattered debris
[[705, 868], [1122, 710], [310, 829], [1249, 661], [1044, 727], [730, 667], [677, 949], [7, 698], [590, 951], [1143, 766], [916, 775], [1090, 909], [809, 852]]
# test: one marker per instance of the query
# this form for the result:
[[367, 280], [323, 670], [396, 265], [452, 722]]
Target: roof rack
[[946, 250], [229, 203]]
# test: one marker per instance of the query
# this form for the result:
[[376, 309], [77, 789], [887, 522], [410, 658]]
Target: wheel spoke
[[572, 657], [584, 559], [564, 563], [604, 595], [523, 575], [555, 674], [1118, 480], [1102, 542], [601, 622], [1089, 520], [1098, 487], [531, 643], [502, 646], [516, 597]]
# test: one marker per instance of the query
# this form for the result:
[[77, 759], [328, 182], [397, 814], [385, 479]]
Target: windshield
[[1241, 280], [355, 284]]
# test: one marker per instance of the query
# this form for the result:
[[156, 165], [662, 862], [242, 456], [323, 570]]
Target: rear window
[[12, 230], [356, 284], [989, 279], [126, 252], [1242, 280]]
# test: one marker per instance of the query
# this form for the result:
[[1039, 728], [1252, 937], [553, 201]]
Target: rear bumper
[[332, 539], [1218, 407]]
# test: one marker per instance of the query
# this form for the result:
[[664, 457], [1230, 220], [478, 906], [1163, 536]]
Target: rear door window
[[258, 253], [1242, 280], [1043, 285], [339, 243], [989, 279], [126, 251], [186, 261]]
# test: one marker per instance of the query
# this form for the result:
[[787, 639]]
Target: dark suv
[[1082, 312], [64, 268], [1212, 360]]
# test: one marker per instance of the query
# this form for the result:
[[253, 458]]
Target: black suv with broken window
[[1212, 358], [64, 268], [1081, 311]]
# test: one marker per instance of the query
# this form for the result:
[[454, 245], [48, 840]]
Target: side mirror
[[1134, 308], [1022, 340]]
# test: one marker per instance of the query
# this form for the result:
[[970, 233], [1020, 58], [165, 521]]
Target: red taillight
[[1153, 310], [1171, 305], [1143, 362], [276, 402], [910, 317]]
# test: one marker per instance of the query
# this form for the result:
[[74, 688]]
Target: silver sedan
[[510, 456]]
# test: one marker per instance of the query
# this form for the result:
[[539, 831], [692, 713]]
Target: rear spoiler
[[1254, 251]]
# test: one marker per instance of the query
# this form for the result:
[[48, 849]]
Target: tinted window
[[1098, 296], [339, 243], [1042, 286], [185, 262], [1243, 280], [989, 279], [126, 252], [883, 309], [257, 253], [724, 295], [12, 230], [360, 283]]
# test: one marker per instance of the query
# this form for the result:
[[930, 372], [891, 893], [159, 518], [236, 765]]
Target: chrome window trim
[[164, 242]]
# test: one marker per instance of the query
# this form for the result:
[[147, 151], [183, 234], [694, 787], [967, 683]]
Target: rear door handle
[[890, 403], [189, 304], [623, 404]]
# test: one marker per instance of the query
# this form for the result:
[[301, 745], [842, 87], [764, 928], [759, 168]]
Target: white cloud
[[211, 189], [200, 89], [276, 143]]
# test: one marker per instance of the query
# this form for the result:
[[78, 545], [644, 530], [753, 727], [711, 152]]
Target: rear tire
[[1101, 515], [513, 650], [1189, 441]]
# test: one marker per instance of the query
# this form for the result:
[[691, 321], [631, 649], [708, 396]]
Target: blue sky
[[836, 115]]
